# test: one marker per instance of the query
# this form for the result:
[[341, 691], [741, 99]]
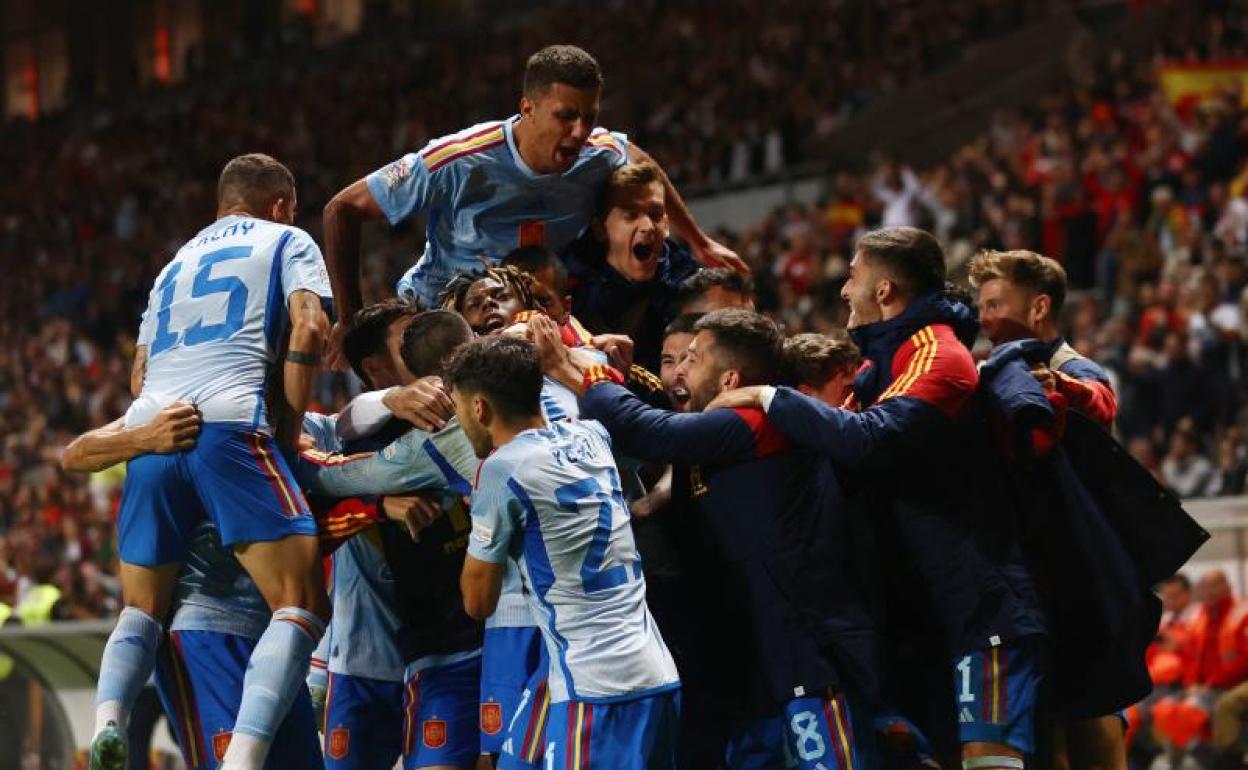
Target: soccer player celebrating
[[532, 179], [210, 337], [760, 518], [954, 567], [549, 496], [1021, 295]]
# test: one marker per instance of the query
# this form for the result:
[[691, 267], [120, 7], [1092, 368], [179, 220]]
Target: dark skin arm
[[345, 212]]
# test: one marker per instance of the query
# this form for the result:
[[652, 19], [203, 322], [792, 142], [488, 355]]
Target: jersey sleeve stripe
[[436, 160], [921, 359], [442, 144], [608, 141], [457, 483]]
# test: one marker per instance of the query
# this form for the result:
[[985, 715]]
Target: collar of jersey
[[508, 125]]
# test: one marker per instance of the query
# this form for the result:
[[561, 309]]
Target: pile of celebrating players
[[594, 511]]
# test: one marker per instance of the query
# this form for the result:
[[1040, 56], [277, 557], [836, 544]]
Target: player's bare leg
[[1097, 744], [990, 756], [129, 657], [289, 576]]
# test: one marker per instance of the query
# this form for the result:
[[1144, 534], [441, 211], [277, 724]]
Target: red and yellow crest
[[220, 742], [433, 732], [491, 718], [339, 742]]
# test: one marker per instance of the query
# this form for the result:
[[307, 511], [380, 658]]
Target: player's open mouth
[[644, 251], [566, 155], [680, 395], [493, 322]]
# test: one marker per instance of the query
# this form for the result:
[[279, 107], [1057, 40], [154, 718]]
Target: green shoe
[[108, 749]]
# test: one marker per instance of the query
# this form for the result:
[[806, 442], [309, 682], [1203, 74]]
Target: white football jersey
[[551, 499], [216, 316]]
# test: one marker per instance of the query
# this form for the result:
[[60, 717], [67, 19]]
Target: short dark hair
[[686, 323], [254, 181], [369, 328], [709, 278], [565, 64], [813, 359], [751, 342], [430, 338], [506, 370], [534, 259], [912, 257], [1034, 272]]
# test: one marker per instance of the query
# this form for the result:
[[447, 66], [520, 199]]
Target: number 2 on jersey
[[569, 496], [203, 285]]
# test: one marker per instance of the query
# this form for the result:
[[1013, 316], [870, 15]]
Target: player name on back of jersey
[[240, 226]]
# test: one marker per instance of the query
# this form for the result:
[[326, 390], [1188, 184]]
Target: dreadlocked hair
[[520, 282]]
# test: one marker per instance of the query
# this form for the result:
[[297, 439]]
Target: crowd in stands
[[1143, 201]]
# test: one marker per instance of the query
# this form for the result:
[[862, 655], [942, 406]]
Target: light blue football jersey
[[551, 499], [482, 200], [215, 318]]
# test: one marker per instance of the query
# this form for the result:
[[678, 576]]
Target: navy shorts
[[199, 678], [234, 476], [363, 723], [809, 733], [514, 701], [639, 734], [440, 725], [995, 693]]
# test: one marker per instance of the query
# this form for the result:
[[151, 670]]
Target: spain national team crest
[[339, 742], [220, 742], [433, 731], [491, 718]]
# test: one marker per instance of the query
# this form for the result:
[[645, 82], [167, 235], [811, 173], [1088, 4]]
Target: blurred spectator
[[1187, 473]]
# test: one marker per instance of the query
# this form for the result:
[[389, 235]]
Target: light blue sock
[[127, 663], [275, 673]]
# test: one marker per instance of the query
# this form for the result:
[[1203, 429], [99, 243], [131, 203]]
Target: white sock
[[246, 752], [111, 711]]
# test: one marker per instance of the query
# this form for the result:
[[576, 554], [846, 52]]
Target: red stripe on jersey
[[937, 369], [767, 440]]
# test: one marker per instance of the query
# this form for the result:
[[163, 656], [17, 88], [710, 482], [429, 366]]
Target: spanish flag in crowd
[[1190, 83]]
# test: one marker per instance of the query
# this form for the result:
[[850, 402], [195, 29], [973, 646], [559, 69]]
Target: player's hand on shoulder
[[712, 253], [335, 359], [424, 403], [618, 347], [174, 429], [415, 512], [1045, 376], [738, 399]]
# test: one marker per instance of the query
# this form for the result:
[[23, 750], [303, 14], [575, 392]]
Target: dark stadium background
[[1110, 135]]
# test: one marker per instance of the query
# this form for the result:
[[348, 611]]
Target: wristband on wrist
[[302, 358]]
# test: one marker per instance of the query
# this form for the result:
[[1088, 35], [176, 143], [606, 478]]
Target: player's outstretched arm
[[175, 428], [657, 435], [706, 249], [341, 220]]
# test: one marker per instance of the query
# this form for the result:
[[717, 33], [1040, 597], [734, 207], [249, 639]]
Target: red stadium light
[[30, 79], [162, 59]]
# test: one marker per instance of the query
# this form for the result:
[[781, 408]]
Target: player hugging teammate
[[808, 553]]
